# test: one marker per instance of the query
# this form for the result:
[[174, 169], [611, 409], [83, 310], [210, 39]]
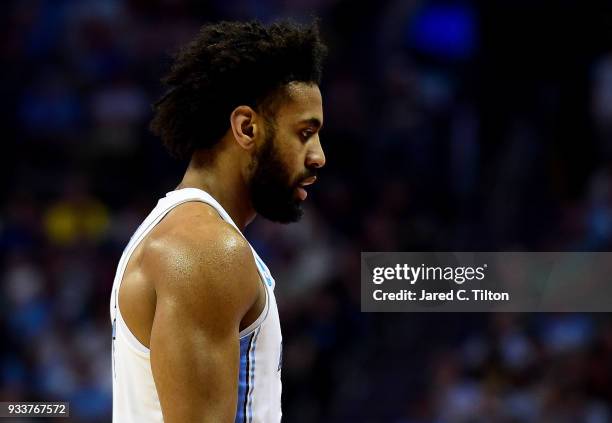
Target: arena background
[[451, 126]]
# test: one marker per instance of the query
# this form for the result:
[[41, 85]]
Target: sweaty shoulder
[[196, 259]]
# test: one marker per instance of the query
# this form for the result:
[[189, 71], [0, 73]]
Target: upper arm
[[205, 282]]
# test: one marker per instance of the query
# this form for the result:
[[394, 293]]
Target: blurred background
[[449, 126]]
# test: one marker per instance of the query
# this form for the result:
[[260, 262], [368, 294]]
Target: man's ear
[[244, 126]]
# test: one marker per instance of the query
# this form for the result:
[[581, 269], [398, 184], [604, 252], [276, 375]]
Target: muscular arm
[[206, 281]]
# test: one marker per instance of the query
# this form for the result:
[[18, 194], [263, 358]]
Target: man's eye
[[306, 134]]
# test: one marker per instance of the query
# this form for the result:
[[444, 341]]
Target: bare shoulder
[[197, 259]]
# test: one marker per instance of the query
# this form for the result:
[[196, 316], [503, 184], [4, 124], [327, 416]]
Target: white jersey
[[135, 398]]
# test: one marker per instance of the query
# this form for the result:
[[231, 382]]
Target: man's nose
[[315, 157]]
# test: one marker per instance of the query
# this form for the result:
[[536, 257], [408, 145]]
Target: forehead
[[302, 102]]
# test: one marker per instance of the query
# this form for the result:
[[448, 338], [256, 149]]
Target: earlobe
[[243, 126]]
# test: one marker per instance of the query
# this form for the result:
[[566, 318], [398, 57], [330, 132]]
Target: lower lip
[[302, 193]]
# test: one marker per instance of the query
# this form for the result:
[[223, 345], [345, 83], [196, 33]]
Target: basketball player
[[196, 333]]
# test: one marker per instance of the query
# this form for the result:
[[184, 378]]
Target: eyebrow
[[312, 121]]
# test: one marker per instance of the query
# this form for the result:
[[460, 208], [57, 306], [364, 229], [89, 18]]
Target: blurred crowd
[[449, 126]]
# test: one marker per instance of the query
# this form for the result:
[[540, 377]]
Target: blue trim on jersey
[[243, 380], [252, 377], [263, 269]]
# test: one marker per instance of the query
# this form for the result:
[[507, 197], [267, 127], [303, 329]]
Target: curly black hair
[[230, 64]]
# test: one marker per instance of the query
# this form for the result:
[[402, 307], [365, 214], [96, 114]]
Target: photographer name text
[[414, 274], [423, 295]]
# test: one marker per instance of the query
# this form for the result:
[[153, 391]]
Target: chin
[[282, 214]]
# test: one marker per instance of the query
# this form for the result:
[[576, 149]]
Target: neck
[[224, 182]]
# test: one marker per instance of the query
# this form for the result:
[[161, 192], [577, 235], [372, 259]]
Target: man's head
[[254, 87]]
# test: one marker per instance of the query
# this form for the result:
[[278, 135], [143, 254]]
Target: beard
[[271, 186]]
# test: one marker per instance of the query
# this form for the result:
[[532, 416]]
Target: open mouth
[[302, 193]]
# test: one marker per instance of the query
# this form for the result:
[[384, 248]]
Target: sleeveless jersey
[[135, 398]]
